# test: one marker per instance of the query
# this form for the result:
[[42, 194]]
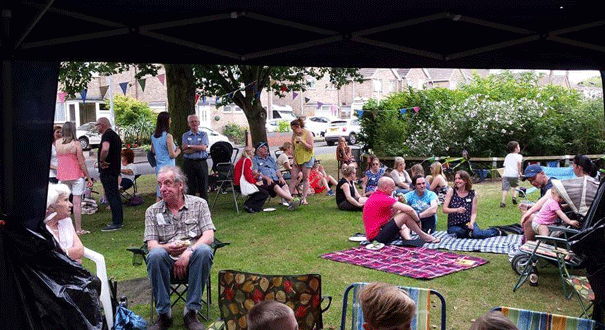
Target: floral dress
[[373, 179]]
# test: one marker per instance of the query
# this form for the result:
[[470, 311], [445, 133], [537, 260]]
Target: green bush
[[129, 111], [283, 127], [235, 133], [139, 132]]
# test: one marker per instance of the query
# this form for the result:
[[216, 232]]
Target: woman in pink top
[[72, 171]]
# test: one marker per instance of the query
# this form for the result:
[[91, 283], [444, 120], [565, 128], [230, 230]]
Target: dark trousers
[[112, 193], [197, 176], [257, 200], [428, 224]]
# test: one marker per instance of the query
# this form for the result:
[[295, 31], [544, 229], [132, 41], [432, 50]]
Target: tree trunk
[[180, 85], [257, 117]]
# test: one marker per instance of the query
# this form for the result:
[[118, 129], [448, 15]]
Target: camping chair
[[124, 192], [178, 287], [530, 320], [238, 292], [421, 296]]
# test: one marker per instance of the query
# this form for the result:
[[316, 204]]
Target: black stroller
[[223, 156]]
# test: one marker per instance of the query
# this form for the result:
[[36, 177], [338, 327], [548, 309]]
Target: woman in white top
[[52, 174], [58, 222], [437, 182], [400, 176]]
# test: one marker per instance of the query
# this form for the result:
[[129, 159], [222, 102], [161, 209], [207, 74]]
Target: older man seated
[[536, 176], [273, 181], [384, 216], [178, 232]]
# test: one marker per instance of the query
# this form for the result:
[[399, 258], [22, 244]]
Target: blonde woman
[[437, 181], [400, 176], [302, 140], [72, 170]]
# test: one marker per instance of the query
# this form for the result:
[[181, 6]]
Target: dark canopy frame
[[38, 34]]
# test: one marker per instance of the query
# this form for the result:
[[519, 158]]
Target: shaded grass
[[284, 242]]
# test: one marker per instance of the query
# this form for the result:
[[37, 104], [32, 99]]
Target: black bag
[[135, 200], [151, 158]]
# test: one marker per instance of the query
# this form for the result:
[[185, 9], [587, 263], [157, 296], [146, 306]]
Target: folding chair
[[238, 292], [421, 296], [101, 272], [533, 320], [178, 287], [124, 192]]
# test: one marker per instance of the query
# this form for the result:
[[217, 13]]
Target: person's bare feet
[[431, 239]]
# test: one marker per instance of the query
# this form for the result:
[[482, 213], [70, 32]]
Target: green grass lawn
[[284, 242]]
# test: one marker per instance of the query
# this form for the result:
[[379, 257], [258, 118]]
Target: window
[[392, 85], [232, 108], [59, 112], [377, 85]]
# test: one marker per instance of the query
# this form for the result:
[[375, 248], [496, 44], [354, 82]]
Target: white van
[[283, 112]]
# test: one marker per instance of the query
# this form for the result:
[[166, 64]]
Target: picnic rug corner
[[415, 262]]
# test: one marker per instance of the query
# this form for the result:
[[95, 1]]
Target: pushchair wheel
[[519, 262]]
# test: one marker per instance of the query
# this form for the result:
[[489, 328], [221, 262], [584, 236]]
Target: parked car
[[348, 128], [88, 136], [318, 125], [213, 136], [272, 125]]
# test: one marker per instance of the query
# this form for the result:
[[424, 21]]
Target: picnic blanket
[[498, 244], [419, 263]]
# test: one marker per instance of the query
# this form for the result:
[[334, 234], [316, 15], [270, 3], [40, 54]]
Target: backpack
[[135, 200]]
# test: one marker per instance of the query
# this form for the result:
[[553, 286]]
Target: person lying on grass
[[384, 216]]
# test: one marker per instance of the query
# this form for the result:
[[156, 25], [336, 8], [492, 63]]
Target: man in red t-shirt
[[384, 216]]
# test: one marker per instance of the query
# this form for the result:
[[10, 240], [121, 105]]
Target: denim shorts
[[308, 164]]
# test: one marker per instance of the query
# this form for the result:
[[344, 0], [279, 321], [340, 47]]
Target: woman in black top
[[347, 197]]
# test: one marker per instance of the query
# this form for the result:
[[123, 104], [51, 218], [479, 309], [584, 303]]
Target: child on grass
[[319, 180], [385, 306], [512, 171], [548, 215]]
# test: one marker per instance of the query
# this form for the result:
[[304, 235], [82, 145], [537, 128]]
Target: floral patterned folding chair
[[239, 291]]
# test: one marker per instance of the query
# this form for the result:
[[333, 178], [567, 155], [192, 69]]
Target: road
[[143, 167]]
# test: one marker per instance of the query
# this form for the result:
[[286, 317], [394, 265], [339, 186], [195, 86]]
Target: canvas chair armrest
[[550, 239], [563, 229], [329, 299]]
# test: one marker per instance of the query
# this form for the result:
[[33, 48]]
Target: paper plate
[[374, 246], [357, 238], [269, 209]]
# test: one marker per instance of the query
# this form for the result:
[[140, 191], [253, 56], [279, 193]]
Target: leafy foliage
[[129, 110], [235, 133], [482, 117]]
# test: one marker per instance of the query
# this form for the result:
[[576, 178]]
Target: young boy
[[385, 306], [493, 321], [271, 315], [512, 171]]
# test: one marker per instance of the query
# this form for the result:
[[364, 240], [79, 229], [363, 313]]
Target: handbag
[[246, 187], [151, 158]]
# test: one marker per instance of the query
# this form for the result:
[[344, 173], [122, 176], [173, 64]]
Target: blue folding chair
[[421, 296], [533, 320]]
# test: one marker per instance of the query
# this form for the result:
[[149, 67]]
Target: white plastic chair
[[105, 298]]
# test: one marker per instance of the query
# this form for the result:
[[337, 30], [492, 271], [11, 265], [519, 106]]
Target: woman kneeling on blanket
[[460, 205]]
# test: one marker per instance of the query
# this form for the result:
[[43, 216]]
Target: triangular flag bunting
[[359, 113], [162, 78], [403, 111], [294, 95], [307, 99], [197, 98], [204, 99], [103, 90], [284, 89], [123, 86], [62, 97], [83, 94], [142, 83], [416, 109], [319, 104]]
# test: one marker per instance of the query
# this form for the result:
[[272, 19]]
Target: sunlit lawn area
[[284, 242]]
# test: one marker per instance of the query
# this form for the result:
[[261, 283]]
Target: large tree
[[239, 84]]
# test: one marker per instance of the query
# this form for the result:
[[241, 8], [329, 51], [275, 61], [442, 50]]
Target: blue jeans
[[159, 268], [462, 231]]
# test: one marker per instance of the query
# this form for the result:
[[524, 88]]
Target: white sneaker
[[284, 202]]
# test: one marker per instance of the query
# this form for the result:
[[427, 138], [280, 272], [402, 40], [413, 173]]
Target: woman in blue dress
[[370, 180], [162, 144]]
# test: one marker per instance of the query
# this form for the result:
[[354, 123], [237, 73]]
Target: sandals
[[82, 232]]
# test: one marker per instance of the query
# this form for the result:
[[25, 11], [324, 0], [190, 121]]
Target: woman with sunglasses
[[370, 180]]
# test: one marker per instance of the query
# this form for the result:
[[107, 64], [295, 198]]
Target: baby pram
[[585, 198]]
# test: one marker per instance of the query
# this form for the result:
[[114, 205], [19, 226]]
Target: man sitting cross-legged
[[384, 216], [178, 232]]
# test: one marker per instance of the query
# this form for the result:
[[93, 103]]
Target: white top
[[511, 165], [400, 177], [65, 232], [281, 160], [128, 176]]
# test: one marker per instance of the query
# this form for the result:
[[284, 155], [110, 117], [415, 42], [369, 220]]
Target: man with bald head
[[384, 216], [109, 160]]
